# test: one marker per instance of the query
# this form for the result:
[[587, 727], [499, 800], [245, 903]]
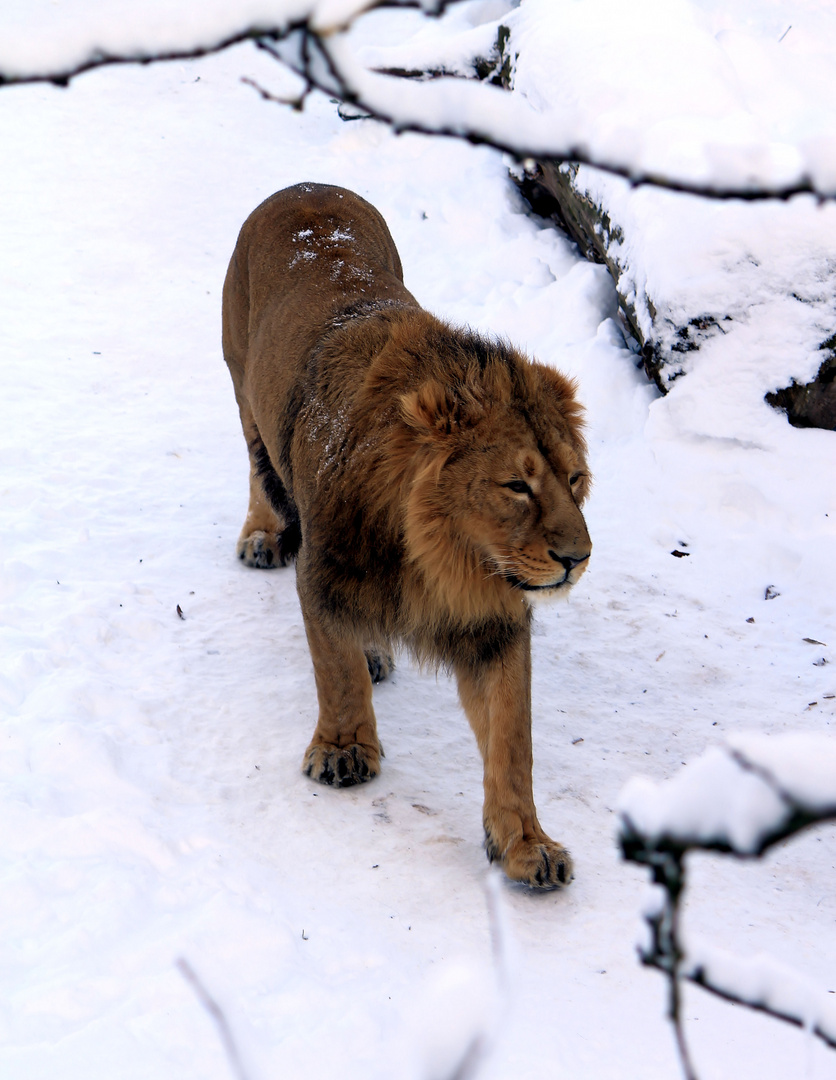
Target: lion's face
[[502, 498], [520, 505]]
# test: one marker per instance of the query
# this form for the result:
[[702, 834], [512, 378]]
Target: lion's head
[[495, 502]]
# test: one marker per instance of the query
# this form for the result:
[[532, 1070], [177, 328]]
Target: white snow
[[152, 802]]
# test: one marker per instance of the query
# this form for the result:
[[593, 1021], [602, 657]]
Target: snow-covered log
[[663, 341], [691, 275]]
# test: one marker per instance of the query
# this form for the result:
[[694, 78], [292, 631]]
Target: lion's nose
[[566, 561]]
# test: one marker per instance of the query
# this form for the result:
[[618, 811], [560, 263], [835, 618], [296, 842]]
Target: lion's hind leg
[[380, 664], [265, 542], [270, 535]]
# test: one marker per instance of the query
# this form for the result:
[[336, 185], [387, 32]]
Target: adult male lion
[[427, 480]]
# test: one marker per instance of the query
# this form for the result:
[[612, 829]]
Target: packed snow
[[158, 696]]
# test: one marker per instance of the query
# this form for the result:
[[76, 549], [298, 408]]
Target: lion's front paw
[[540, 864], [341, 766]]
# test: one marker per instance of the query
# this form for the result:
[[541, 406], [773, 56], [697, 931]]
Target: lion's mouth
[[518, 583]]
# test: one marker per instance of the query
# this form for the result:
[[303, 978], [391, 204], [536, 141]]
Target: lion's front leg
[[496, 695], [344, 749]]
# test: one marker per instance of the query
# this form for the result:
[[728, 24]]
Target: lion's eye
[[520, 487], [575, 477]]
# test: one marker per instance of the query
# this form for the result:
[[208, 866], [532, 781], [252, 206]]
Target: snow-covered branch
[[310, 37], [763, 984], [98, 57], [740, 800]]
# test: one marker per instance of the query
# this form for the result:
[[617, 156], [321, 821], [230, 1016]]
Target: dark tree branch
[[316, 63], [638, 178], [101, 58], [698, 976], [665, 952]]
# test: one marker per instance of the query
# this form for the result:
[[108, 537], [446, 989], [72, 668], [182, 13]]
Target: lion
[[427, 480]]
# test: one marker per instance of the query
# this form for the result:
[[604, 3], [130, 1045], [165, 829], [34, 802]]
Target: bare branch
[[297, 103], [320, 63]]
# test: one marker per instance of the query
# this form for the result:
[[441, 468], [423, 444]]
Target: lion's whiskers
[[504, 565]]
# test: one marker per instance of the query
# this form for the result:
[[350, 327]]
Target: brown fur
[[429, 481]]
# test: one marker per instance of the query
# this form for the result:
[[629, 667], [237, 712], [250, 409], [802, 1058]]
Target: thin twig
[[217, 1014], [676, 988], [297, 103]]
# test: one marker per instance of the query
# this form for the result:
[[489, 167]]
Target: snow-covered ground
[[151, 799]]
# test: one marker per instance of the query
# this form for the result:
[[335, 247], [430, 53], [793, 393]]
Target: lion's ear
[[557, 401], [562, 391], [421, 408], [438, 411]]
